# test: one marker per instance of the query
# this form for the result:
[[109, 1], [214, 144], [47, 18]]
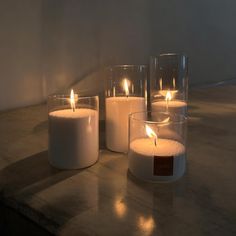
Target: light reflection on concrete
[[146, 224], [120, 208]]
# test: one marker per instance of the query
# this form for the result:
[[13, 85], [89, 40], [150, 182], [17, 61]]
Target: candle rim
[[178, 101], [66, 96], [123, 95], [73, 115], [183, 118]]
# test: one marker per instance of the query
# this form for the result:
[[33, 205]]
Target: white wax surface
[[117, 112], [141, 158], [174, 106], [171, 103], [70, 114], [73, 138], [164, 147]]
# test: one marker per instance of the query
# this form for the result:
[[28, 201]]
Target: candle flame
[[126, 87], [164, 93], [168, 96], [72, 100], [151, 134], [174, 83]]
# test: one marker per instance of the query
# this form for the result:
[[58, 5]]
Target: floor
[[105, 199]]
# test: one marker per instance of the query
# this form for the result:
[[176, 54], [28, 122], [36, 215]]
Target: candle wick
[[155, 141], [73, 109]]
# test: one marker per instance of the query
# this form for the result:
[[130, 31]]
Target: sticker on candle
[[162, 165]]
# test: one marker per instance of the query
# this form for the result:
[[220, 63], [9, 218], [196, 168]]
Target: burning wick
[[168, 98], [126, 87], [72, 100], [151, 134]]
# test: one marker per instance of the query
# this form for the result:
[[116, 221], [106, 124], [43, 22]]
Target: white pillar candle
[[164, 161], [173, 106], [73, 138], [117, 113]]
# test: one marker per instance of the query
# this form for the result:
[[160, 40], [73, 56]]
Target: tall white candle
[[73, 138], [164, 161], [117, 113]]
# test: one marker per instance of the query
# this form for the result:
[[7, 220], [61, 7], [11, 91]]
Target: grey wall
[[47, 45], [82, 36], [20, 53], [204, 29]]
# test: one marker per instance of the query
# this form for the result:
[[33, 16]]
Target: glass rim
[[66, 96], [127, 66], [170, 54], [180, 121]]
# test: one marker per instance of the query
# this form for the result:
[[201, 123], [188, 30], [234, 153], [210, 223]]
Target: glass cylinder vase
[[157, 146], [169, 83], [73, 131], [125, 93]]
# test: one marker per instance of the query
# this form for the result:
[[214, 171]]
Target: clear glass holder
[[157, 146]]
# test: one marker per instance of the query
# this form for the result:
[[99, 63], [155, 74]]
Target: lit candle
[[117, 112], [156, 159], [73, 136], [169, 104]]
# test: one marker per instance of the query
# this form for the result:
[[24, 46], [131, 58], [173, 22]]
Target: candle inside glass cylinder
[[73, 137], [169, 104], [156, 159], [117, 114]]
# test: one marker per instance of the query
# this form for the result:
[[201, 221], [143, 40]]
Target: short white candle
[[170, 104], [117, 113], [73, 138], [173, 106], [142, 154]]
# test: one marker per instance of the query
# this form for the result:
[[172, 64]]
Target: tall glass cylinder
[[73, 131], [125, 93], [157, 146], [169, 83]]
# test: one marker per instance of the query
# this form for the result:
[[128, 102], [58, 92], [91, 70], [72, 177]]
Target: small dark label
[[163, 165]]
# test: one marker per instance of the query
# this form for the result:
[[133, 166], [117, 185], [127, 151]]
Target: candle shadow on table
[[32, 174], [102, 134]]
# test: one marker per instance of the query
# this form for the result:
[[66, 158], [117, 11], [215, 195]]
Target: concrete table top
[[106, 200]]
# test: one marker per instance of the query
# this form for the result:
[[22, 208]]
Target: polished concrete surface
[[105, 199]]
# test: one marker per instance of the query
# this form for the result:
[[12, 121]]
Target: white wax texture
[[143, 150], [73, 138], [117, 113], [174, 106]]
